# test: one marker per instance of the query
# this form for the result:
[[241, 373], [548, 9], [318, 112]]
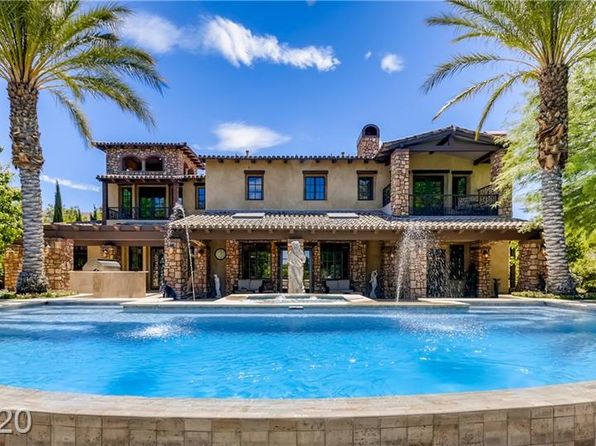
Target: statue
[[217, 284], [373, 284], [296, 259]]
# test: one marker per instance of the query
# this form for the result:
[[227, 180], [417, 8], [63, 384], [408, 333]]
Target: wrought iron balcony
[[139, 213], [434, 204]]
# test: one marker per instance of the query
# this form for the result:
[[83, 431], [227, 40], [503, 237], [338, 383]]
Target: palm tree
[[71, 52], [537, 42]]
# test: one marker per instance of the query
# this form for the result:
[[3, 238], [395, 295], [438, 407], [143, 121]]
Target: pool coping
[[14, 398]]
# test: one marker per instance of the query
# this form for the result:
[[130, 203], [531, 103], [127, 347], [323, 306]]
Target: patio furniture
[[341, 286], [249, 286]]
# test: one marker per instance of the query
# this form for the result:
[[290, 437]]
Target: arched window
[[131, 164], [153, 164]]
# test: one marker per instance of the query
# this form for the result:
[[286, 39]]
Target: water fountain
[[178, 213], [412, 238]]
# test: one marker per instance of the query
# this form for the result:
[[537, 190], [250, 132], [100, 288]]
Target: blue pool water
[[278, 353]]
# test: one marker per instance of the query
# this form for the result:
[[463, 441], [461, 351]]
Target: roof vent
[[248, 215], [342, 215]]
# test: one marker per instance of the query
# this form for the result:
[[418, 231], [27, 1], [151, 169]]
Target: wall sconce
[[105, 252], [485, 254]]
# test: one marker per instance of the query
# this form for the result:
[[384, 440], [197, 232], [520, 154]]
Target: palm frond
[[494, 97], [76, 114]]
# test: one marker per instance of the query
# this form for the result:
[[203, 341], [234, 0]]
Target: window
[[334, 261], [254, 187], [459, 188], [256, 261], [135, 258], [315, 187], [153, 164], [200, 197], [366, 188], [456, 262], [126, 210], [131, 164], [80, 257], [387, 195], [181, 194]]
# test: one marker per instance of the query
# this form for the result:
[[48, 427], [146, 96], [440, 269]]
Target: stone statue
[[217, 284], [296, 259], [373, 284]]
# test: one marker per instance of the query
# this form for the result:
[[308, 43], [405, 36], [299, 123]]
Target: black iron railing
[[139, 213], [479, 204]]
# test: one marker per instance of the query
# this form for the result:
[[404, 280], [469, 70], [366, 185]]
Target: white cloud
[[367, 55], [241, 47], [231, 40], [235, 136], [391, 63], [152, 32], [68, 183]]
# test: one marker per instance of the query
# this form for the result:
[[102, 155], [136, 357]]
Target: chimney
[[369, 141]]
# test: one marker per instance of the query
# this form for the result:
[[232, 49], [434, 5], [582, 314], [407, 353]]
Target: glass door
[[152, 203], [125, 205], [156, 264], [283, 269], [428, 195]]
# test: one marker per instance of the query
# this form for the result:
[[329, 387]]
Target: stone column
[[400, 182], [175, 268], [201, 273], [232, 265], [480, 256], [417, 269], [316, 268], [532, 266], [58, 262], [358, 265], [13, 264], [388, 269], [505, 198], [275, 267]]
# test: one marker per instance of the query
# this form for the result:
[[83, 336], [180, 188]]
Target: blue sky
[[291, 77]]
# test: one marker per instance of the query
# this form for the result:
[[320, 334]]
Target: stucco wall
[[499, 264], [283, 184]]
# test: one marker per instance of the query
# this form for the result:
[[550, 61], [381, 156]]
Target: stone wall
[[316, 267], [505, 197], [532, 266], [358, 265], [201, 273], [416, 285], [275, 267], [368, 146], [480, 256], [388, 268], [173, 160], [13, 263], [232, 265], [400, 182], [58, 262], [175, 265]]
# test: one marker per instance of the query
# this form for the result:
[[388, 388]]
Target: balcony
[[435, 205], [139, 213]]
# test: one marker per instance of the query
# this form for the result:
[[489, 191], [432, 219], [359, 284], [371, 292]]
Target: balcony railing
[[139, 213], [431, 205]]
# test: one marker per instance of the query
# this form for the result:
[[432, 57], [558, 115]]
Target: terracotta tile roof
[[149, 176], [320, 220]]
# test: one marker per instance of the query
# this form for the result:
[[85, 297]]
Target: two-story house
[[351, 214]]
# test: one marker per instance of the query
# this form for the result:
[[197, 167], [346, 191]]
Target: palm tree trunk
[[552, 154], [27, 157]]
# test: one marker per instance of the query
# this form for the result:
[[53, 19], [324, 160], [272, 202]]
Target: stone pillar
[[505, 198], [175, 268], [400, 182], [201, 273], [232, 265], [111, 252], [532, 266], [13, 264], [58, 262], [417, 269], [388, 269], [316, 268], [358, 265], [275, 268], [480, 256]]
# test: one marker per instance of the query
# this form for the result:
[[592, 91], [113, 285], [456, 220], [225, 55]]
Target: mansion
[[350, 212]]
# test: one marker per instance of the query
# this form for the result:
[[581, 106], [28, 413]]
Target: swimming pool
[[278, 353]]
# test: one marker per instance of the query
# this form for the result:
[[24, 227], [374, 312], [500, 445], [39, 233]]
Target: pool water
[[278, 353]]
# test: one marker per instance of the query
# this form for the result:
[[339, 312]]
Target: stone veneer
[[175, 271], [232, 265], [532, 266], [505, 198], [201, 272], [562, 415], [480, 256], [58, 262], [368, 146], [358, 265], [400, 182], [388, 267], [173, 159]]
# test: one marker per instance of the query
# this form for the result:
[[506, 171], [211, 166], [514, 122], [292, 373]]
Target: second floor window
[[254, 187], [315, 187], [365, 188], [201, 197]]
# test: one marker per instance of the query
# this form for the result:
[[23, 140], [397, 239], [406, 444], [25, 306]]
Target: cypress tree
[[58, 217]]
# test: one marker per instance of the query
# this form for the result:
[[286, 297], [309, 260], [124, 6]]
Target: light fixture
[[485, 253]]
